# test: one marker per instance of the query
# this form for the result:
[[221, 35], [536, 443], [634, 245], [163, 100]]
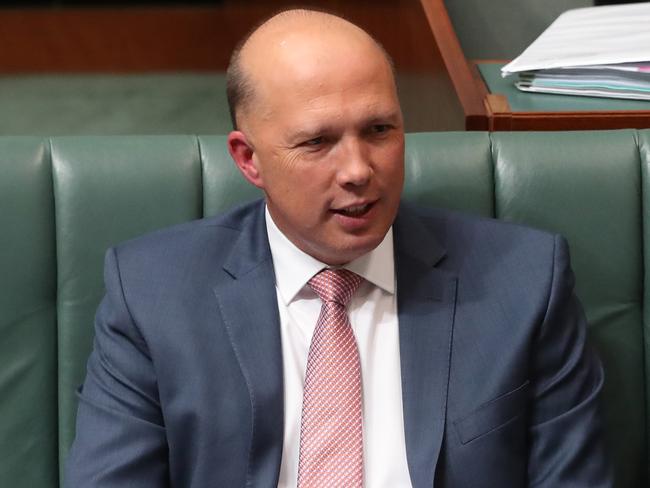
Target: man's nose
[[355, 166]]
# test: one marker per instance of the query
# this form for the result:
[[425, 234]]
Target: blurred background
[[154, 67]]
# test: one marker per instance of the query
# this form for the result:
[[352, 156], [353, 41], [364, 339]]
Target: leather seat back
[[63, 201]]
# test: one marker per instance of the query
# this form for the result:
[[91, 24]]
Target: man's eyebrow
[[306, 133], [382, 118]]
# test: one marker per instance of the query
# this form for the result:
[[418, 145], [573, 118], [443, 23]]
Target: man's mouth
[[354, 210]]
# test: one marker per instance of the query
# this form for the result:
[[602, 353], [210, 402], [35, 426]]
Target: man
[[221, 360]]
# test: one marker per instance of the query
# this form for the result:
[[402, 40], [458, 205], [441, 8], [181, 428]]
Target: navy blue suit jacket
[[184, 385]]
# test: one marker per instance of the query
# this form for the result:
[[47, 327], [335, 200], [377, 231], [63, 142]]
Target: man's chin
[[351, 248]]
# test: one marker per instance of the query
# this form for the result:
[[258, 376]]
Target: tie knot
[[335, 285]]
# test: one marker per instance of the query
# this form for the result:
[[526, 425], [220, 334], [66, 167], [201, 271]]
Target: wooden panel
[[197, 38], [117, 40], [498, 112], [579, 120]]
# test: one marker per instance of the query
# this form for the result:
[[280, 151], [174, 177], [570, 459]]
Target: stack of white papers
[[596, 51]]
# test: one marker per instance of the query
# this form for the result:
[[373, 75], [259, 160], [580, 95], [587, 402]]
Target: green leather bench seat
[[63, 201], [112, 104], [107, 190], [28, 359]]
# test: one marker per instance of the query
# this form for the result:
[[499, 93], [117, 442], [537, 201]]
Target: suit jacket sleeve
[[566, 445], [120, 434]]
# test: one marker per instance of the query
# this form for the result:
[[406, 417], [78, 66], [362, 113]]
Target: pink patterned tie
[[331, 434]]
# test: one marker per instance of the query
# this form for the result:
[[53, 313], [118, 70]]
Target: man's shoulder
[[451, 223], [472, 238], [232, 221], [213, 236]]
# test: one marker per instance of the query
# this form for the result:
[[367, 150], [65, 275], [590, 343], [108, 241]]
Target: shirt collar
[[294, 268]]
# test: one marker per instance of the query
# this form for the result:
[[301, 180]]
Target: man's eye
[[380, 128], [316, 141]]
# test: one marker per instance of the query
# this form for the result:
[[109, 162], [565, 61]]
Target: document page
[[590, 36]]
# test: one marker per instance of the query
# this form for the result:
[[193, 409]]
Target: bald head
[[289, 47]]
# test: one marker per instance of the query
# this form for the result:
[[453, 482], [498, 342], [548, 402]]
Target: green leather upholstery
[[28, 360], [223, 185], [63, 201], [644, 151], [58, 104], [457, 170], [107, 190], [589, 190]]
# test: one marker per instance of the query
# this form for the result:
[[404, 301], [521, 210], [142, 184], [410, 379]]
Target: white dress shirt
[[373, 315]]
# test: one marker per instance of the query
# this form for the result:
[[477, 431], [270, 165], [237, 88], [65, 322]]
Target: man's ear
[[243, 154]]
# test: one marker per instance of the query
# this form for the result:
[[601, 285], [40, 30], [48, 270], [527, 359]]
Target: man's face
[[328, 143]]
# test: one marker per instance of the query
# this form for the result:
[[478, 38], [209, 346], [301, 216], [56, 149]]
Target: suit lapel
[[248, 304], [426, 302]]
